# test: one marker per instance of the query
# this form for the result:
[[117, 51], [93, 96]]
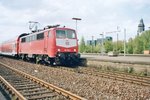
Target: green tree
[[138, 45], [97, 48], [88, 49], [130, 46], [82, 46], [108, 46], [145, 36], [118, 46]]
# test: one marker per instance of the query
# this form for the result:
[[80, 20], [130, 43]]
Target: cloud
[[97, 16]]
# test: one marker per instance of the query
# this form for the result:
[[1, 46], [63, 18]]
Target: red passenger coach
[[11, 47], [52, 45]]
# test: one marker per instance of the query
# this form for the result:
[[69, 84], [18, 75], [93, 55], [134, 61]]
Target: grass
[[129, 70]]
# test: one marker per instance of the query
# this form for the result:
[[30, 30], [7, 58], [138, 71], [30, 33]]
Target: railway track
[[144, 81], [23, 86]]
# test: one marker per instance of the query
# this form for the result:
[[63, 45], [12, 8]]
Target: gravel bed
[[88, 86]]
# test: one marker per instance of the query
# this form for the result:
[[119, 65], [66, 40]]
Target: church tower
[[141, 27]]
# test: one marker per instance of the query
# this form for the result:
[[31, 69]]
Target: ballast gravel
[[88, 86]]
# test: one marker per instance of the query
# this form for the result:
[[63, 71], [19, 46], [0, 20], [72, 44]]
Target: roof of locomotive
[[48, 29]]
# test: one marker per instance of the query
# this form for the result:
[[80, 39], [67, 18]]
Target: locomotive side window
[[28, 39], [23, 40], [34, 37], [40, 36], [31, 38]]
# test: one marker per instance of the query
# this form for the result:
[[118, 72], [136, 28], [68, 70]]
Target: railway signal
[[102, 49]]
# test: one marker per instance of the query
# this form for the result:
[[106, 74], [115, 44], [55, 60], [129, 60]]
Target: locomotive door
[[46, 42]]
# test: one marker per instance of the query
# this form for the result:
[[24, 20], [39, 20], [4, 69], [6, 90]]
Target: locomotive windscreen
[[65, 34]]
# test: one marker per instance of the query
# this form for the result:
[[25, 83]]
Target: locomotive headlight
[[58, 49], [75, 50]]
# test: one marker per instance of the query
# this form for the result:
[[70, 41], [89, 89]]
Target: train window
[[40, 36], [23, 40], [28, 39], [34, 37], [31, 38], [60, 34], [70, 34]]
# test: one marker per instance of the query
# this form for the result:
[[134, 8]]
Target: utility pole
[[76, 19], [124, 42], [117, 38], [92, 43], [102, 48]]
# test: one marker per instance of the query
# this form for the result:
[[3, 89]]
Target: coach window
[[15, 45], [40, 36]]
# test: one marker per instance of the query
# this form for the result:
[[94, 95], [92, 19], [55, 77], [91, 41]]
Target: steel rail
[[147, 78], [123, 74], [125, 79], [144, 81], [46, 84], [121, 77], [15, 94]]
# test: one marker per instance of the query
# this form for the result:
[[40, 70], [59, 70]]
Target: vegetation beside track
[[135, 69]]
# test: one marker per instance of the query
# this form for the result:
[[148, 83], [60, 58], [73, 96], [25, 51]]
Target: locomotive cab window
[[70, 34], [40, 36], [60, 34]]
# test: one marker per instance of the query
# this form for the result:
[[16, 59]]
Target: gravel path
[[88, 86]]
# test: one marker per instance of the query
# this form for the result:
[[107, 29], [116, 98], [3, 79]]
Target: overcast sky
[[97, 16]]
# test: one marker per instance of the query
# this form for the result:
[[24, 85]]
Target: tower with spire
[[141, 27]]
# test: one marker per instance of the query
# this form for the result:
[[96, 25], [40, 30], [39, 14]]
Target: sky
[[98, 16]]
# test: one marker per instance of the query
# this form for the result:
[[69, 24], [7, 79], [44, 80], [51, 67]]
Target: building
[[141, 27], [90, 42], [99, 41]]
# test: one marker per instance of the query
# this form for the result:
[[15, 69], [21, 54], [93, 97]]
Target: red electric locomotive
[[52, 45]]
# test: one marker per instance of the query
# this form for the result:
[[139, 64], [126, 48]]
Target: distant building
[[109, 38], [141, 27], [90, 42], [99, 41]]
